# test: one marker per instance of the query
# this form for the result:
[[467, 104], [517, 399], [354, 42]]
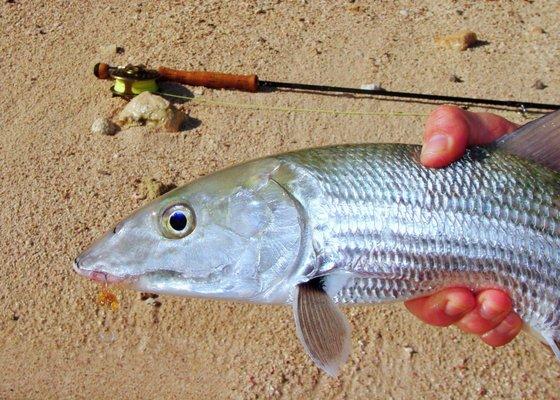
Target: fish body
[[389, 229], [349, 224]]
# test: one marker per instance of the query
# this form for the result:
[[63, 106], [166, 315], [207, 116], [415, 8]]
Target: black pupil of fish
[[178, 221]]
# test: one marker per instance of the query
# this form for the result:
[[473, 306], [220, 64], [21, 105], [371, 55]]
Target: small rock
[[455, 78], [103, 126], [410, 351], [108, 49], [151, 188], [371, 86], [198, 91], [15, 316], [153, 302], [536, 31], [539, 85], [145, 296], [151, 110], [405, 13], [457, 41]]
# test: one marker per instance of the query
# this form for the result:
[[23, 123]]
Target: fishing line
[[261, 107]]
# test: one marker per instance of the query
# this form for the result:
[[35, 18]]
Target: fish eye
[[177, 221]]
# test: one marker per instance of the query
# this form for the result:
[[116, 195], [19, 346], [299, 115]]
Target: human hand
[[488, 314]]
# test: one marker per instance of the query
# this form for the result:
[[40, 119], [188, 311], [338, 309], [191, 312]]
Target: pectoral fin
[[322, 328]]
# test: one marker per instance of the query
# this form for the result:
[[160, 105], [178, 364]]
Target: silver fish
[[354, 224]]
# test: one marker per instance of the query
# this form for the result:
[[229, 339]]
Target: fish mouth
[[96, 275]]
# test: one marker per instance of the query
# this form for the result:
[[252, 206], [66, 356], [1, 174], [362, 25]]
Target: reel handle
[[214, 80], [102, 71]]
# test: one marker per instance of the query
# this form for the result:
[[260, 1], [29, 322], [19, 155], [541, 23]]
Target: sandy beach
[[62, 186]]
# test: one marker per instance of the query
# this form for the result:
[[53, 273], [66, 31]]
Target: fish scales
[[401, 231], [354, 224]]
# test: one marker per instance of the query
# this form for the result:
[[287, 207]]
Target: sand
[[61, 187]]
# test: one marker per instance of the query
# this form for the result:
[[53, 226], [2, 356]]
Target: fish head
[[235, 234]]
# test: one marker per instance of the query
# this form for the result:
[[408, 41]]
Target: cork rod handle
[[214, 80]]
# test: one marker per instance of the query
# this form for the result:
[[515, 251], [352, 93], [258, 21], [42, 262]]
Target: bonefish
[[323, 227]]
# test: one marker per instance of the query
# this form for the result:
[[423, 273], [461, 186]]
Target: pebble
[[539, 85], [198, 91], [108, 49], [103, 126], [151, 110], [536, 30], [153, 302], [151, 188], [455, 78], [145, 296], [404, 12], [457, 41], [410, 351]]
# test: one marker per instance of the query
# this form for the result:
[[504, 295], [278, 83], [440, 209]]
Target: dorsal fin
[[537, 141]]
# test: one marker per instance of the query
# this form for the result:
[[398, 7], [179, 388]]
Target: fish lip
[[96, 275]]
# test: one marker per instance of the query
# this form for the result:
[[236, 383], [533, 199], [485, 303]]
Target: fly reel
[[130, 80]]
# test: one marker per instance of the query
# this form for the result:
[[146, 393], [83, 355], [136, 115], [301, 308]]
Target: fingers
[[488, 315], [443, 308], [492, 307], [505, 332], [450, 130]]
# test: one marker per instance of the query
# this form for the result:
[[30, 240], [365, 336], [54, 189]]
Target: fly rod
[[131, 80]]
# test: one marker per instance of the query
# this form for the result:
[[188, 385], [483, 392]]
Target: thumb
[[450, 129]]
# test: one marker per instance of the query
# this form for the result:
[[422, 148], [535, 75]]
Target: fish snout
[[97, 275], [76, 266]]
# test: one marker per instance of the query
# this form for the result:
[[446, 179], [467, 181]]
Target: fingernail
[[489, 311], [436, 144], [454, 309]]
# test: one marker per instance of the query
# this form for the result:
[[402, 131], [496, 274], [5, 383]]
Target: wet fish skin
[[354, 224], [394, 230]]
